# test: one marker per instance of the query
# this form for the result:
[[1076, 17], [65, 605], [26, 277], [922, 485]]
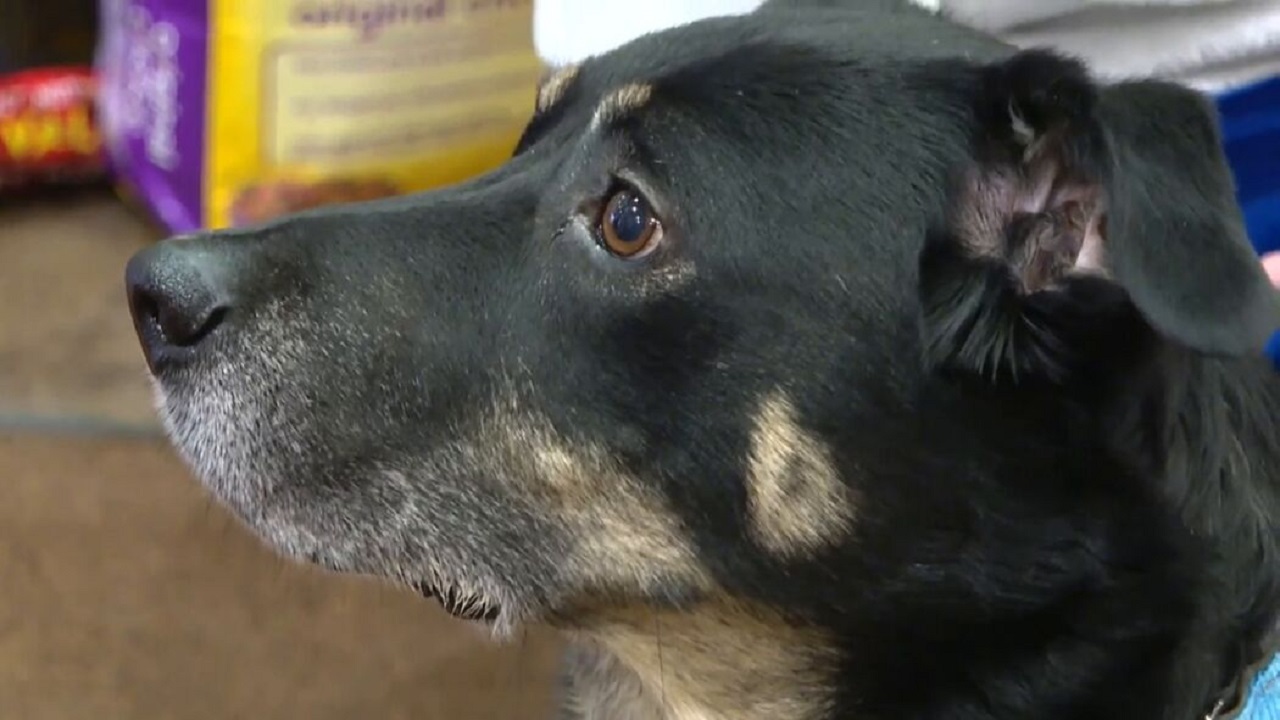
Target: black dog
[[827, 362]]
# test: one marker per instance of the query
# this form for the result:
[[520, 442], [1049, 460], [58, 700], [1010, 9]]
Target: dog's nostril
[[175, 298], [143, 307], [179, 321]]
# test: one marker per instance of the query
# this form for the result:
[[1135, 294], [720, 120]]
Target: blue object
[[1250, 119], [1264, 695]]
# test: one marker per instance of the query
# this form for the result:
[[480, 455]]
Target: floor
[[125, 593]]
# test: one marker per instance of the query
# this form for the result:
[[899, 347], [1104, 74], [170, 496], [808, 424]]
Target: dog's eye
[[628, 227]]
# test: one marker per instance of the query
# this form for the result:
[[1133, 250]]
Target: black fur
[[1127, 353], [1065, 484]]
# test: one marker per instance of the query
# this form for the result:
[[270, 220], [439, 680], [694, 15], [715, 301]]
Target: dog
[[829, 361]]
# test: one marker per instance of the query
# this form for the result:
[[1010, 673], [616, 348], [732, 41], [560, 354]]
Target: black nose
[[178, 295]]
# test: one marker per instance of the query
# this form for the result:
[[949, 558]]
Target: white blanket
[[1209, 44]]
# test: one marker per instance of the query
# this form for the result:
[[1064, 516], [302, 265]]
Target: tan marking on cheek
[[622, 102], [627, 539], [721, 660], [559, 469], [797, 500], [553, 89]]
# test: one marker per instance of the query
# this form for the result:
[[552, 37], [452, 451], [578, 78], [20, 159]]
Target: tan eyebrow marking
[[553, 88], [622, 101]]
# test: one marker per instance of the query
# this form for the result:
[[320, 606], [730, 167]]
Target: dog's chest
[[596, 686], [714, 662]]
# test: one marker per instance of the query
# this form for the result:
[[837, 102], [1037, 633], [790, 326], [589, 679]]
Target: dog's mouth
[[459, 604]]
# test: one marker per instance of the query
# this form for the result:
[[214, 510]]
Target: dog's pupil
[[630, 217]]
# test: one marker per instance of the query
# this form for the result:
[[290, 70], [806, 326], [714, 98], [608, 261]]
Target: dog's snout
[[177, 296]]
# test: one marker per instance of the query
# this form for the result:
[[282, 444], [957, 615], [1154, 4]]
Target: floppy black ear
[[1087, 208], [1175, 233]]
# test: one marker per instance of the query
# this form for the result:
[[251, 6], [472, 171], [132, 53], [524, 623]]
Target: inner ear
[[1037, 219], [1125, 186], [1034, 199], [1016, 282]]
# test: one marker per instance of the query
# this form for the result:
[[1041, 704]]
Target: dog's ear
[[1084, 206]]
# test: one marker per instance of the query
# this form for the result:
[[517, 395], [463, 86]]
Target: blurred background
[[125, 593]]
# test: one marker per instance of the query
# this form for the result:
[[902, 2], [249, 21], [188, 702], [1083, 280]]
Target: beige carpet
[[66, 345], [125, 593]]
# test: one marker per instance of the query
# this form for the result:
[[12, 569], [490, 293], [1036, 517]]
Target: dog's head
[[680, 356]]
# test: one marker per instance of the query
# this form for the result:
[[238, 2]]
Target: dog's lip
[[463, 607]]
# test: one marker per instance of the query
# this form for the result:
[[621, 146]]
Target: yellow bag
[[230, 112]]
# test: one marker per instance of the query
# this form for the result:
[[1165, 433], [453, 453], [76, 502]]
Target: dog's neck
[[1213, 443], [1218, 457], [1216, 443], [715, 662]]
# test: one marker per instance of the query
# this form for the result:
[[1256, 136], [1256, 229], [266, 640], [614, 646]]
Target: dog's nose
[[177, 297]]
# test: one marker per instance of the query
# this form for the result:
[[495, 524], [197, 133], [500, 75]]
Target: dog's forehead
[[816, 66], [871, 39]]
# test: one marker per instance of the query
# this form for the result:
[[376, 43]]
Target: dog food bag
[[220, 113]]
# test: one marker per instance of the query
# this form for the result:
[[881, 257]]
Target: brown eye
[[628, 227]]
